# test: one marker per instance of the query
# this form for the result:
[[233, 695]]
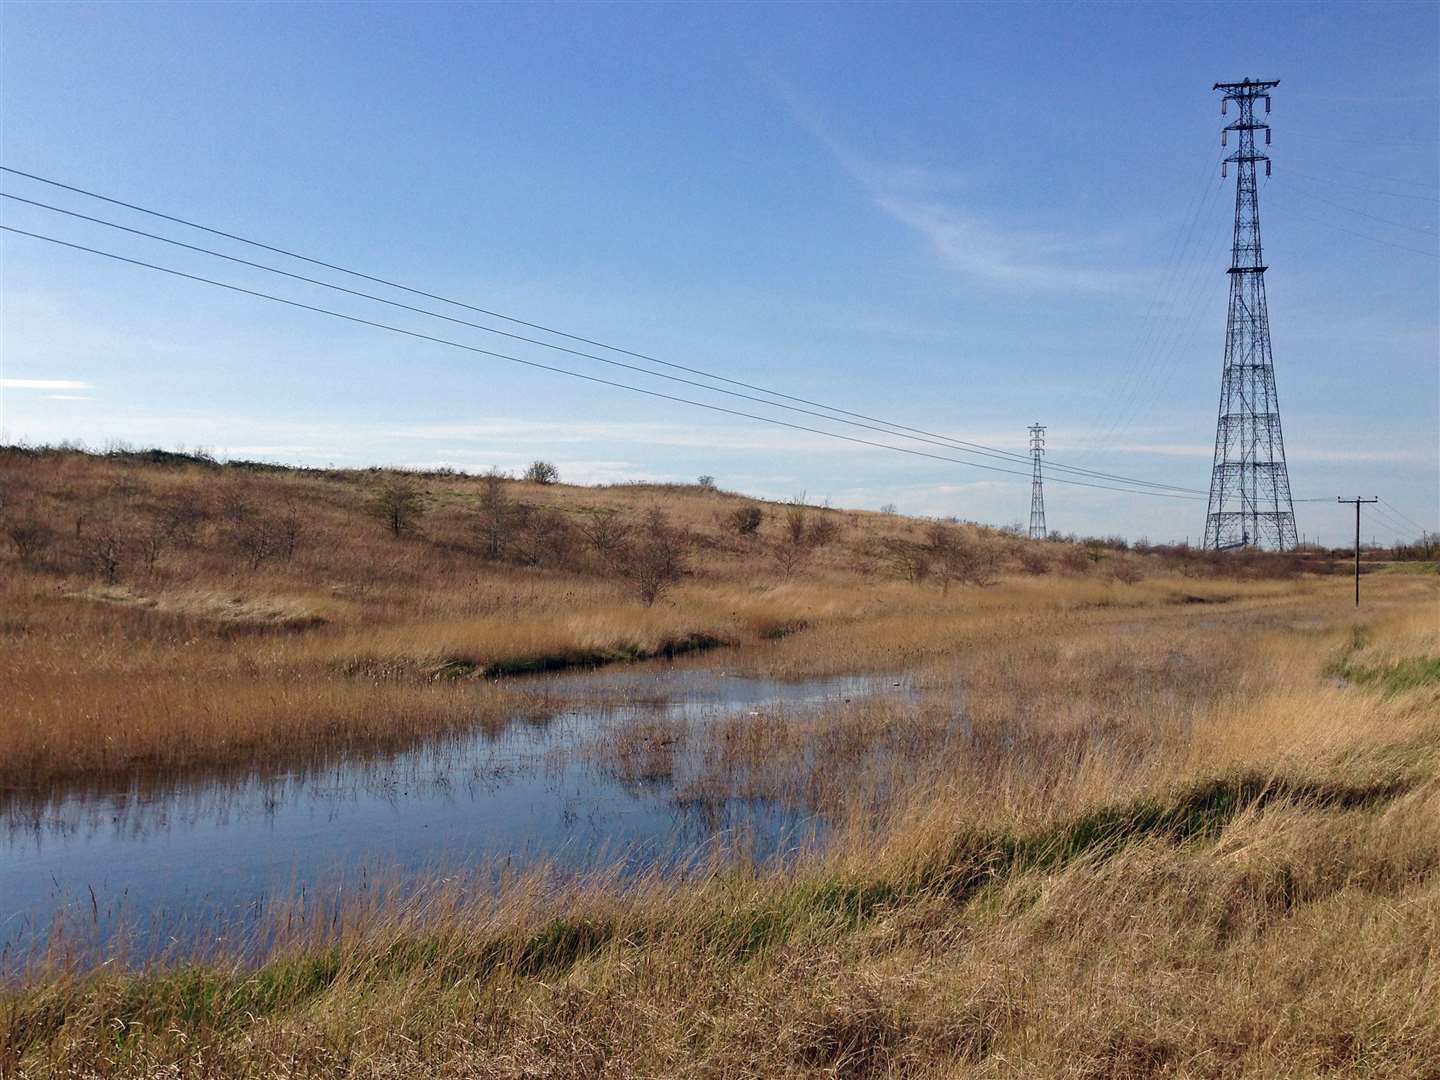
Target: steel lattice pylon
[[1250, 502], [1037, 487]]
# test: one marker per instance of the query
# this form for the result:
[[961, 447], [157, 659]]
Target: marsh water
[[160, 862]]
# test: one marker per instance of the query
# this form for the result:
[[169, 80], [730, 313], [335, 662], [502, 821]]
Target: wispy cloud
[[1031, 260], [962, 236], [45, 384]]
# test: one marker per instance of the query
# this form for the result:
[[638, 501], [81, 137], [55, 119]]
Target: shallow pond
[[170, 859]]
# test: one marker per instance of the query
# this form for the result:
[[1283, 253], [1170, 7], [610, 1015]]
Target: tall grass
[[1182, 827]]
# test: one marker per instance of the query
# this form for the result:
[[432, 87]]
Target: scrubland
[[1152, 814]]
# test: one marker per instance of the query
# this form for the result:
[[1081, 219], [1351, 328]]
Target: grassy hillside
[[162, 609]]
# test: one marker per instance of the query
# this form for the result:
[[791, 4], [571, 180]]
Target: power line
[[1381, 176], [1363, 190], [1426, 229], [887, 430], [1367, 236], [889, 427], [563, 371], [1173, 275], [1403, 515]]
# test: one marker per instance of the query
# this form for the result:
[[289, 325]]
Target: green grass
[[1387, 676]]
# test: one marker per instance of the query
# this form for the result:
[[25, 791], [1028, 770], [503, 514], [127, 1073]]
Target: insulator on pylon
[[1224, 137], [1224, 169], [1267, 136], [1267, 103], [1224, 105], [1267, 166]]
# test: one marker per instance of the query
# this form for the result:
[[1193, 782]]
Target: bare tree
[[102, 550], [30, 538], [911, 561], [655, 559], [706, 482], [289, 530], [496, 516], [546, 539], [608, 535], [542, 472], [180, 519], [150, 543], [400, 505], [954, 558], [801, 535]]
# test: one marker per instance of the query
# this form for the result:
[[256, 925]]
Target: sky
[[959, 218]]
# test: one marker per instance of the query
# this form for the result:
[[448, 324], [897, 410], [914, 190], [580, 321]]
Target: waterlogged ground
[[613, 774]]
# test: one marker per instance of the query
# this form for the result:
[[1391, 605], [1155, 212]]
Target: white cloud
[[963, 239], [45, 384], [1025, 259]]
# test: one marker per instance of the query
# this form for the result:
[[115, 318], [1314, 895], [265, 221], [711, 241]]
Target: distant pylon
[[1037, 486], [1249, 485]]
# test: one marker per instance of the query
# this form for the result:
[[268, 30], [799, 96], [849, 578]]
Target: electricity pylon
[[1250, 502], [1037, 487]]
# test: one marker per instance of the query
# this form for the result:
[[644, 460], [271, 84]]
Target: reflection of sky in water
[[161, 855]]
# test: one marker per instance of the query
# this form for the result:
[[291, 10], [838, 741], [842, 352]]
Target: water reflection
[[171, 853]]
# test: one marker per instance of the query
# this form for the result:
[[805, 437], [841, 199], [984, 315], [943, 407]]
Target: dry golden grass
[[1178, 828]]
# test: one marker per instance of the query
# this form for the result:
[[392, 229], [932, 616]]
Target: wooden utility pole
[[1356, 502]]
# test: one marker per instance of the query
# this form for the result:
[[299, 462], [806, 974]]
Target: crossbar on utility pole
[[1356, 502]]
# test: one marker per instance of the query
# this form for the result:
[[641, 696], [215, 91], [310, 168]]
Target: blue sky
[[960, 218]]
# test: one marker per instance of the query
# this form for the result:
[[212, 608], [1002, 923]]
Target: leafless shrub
[[954, 558], [744, 520], [1033, 560], [180, 518], [399, 505], [802, 534], [497, 516], [289, 531], [608, 534], [102, 551], [655, 558], [546, 538], [1074, 559], [30, 538], [909, 559], [150, 543], [254, 538], [1127, 572], [705, 482], [542, 472]]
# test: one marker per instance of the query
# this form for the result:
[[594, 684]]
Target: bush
[[802, 535], [608, 535], [399, 505], [1033, 560], [744, 520], [957, 559], [706, 482], [102, 551], [655, 560], [30, 538], [545, 538], [496, 516], [542, 472], [180, 519]]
